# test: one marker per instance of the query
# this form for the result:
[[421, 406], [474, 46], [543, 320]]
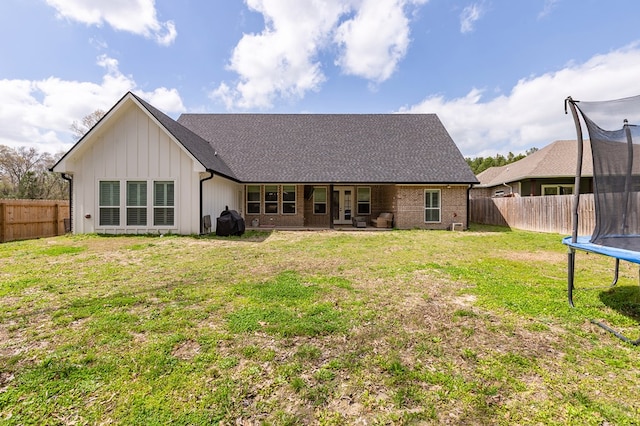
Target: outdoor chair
[[384, 220], [359, 222]]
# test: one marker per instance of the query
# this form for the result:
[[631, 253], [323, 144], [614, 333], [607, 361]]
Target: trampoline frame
[[575, 242]]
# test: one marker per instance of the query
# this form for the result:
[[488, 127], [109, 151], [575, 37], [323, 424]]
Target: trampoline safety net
[[614, 134]]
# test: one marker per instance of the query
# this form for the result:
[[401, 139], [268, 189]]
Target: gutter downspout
[[469, 206], [201, 208], [510, 188], [70, 180]]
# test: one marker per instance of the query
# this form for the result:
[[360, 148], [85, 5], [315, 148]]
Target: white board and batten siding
[[134, 147], [219, 193]]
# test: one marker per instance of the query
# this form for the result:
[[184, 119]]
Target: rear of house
[[140, 171]]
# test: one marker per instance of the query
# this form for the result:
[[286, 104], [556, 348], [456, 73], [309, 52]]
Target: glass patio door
[[342, 205]]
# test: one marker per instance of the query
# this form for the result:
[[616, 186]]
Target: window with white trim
[[364, 200], [320, 200], [109, 203], [271, 199], [163, 203], [557, 189], [253, 199], [136, 203], [432, 205], [288, 199]]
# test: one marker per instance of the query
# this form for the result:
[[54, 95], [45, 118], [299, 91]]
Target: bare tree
[[24, 173], [15, 164], [88, 121]]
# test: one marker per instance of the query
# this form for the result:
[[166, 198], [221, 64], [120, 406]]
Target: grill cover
[[229, 223]]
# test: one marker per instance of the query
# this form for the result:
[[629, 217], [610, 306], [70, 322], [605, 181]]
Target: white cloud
[[134, 16], [282, 60], [40, 113], [469, 16], [166, 100], [549, 5], [532, 114], [375, 40]]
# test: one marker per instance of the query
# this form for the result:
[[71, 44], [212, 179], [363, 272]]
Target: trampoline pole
[[616, 333], [571, 262], [627, 180], [616, 273], [580, 143]]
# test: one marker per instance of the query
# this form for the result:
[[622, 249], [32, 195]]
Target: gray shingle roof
[[197, 146], [557, 159], [334, 148]]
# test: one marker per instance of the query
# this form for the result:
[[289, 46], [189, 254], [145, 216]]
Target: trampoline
[[614, 136]]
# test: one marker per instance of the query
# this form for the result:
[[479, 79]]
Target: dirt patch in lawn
[[186, 350]]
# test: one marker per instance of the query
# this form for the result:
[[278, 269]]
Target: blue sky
[[495, 71]]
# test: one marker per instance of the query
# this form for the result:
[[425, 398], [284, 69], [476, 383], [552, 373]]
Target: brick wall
[[311, 219], [409, 209], [406, 202], [280, 219]]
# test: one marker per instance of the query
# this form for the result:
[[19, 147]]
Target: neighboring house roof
[[313, 148], [398, 148], [558, 159]]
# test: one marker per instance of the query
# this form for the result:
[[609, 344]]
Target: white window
[[253, 199], [109, 203], [364, 200], [557, 189], [432, 205], [163, 203], [271, 199], [137, 203], [288, 199], [319, 200]]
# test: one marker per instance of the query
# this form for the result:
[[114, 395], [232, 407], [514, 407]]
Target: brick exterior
[[406, 202], [409, 208], [280, 219]]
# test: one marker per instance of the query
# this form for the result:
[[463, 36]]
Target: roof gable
[[198, 149]]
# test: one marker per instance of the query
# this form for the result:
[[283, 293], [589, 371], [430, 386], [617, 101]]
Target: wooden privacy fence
[[542, 214], [25, 219]]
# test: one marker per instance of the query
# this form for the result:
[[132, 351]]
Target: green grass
[[284, 328]]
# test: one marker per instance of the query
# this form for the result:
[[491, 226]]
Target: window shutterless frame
[[320, 200], [432, 205], [289, 198], [109, 203], [254, 199], [164, 203], [136, 203], [364, 200]]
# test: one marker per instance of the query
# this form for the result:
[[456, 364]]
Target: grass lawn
[[332, 328]]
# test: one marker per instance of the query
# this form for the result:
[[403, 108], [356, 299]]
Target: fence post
[[3, 221], [56, 220]]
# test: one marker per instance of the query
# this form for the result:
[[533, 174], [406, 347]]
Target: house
[[548, 171], [140, 171]]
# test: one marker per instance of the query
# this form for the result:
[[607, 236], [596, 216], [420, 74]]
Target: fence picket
[[25, 219], [551, 214]]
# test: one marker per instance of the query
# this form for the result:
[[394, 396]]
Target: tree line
[[480, 164], [24, 174]]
